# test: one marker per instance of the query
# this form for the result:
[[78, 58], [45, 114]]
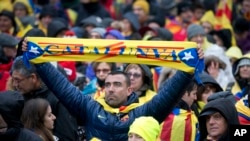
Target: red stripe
[[219, 13], [228, 12], [188, 128], [145, 47], [166, 128], [243, 121], [60, 43]]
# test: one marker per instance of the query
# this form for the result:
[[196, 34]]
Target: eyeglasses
[[135, 75], [18, 81], [102, 70]]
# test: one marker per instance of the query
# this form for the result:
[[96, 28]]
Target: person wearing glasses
[[141, 81], [29, 84], [96, 85], [216, 118]]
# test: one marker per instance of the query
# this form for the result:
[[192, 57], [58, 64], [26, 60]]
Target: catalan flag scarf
[[179, 55]]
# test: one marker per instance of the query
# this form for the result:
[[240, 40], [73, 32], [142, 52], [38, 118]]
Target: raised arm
[[169, 94], [66, 92]]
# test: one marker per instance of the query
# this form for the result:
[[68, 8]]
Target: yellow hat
[[146, 127], [209, 17], [234, 52], [27, 4], [5, 5], [95, 139], [143, 4]]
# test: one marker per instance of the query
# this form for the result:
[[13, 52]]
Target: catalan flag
[[180, 125], [243, 112], [224, 9], [224, 16]]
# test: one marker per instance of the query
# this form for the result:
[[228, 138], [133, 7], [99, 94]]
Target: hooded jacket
[[98, 119], [55, 27], [11, 105], [225, 76], [226, 108], [240, 83], [65, 124], [206, 79]]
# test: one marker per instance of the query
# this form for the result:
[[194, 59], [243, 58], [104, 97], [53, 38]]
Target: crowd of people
[[111, 101]]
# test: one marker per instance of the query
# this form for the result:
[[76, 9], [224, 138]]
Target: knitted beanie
[[143, 4], [193, 30], [146, 127]]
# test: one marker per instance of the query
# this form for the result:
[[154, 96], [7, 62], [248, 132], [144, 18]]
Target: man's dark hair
[[19, 66], [191, 86], [121, 73], [241, 25]]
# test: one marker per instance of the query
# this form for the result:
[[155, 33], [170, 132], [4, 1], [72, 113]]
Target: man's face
[[198, 13], [139, 12], [189, 98], [245, 71], [46, 20], [10, 52], [246, 6], [5, 24], [116, 90], [207, 27], [199, 39], [95, 35], [23, 84], [216, 125], [187, 16]]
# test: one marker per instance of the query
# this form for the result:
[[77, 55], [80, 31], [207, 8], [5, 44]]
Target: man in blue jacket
[[109, 118]]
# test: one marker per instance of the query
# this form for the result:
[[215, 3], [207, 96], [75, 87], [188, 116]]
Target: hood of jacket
[[133, 19], [207, 79], [229, 112], [56, 26], [11, 105]]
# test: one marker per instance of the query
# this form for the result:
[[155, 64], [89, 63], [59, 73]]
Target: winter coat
[[65, 124], [11, 105], [226, 109], [101, 120]]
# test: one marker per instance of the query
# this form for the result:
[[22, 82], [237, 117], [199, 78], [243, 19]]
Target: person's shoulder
[[27, 135]]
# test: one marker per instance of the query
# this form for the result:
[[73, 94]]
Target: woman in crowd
[[37, 116], [141, 81]]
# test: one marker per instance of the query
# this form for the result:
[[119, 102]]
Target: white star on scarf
[[34, 50], [187, 56]]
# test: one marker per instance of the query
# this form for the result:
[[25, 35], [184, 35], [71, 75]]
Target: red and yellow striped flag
[[180, 125]]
